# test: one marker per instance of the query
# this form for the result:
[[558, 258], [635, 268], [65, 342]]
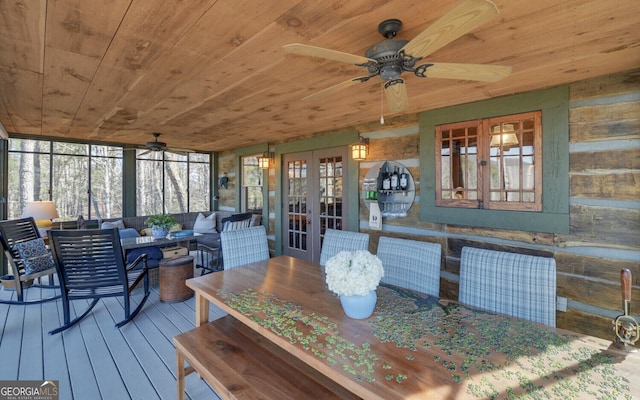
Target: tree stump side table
[[174, 272]]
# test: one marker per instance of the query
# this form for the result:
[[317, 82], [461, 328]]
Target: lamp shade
[[508, 136], [40, 210]]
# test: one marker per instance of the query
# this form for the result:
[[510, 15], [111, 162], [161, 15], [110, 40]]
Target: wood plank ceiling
[[212, 75]]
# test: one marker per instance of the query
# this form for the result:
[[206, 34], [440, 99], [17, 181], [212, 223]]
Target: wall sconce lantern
[[359, 150], [265, 160]]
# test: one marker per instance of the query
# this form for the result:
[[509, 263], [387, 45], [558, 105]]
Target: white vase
[[357, 306]]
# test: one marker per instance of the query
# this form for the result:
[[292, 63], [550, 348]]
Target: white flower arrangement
[[353, 273]]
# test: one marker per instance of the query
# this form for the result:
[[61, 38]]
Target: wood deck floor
[[93, 359]]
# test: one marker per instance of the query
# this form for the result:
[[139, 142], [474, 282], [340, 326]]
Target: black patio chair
[[91, 265], [22, 236]]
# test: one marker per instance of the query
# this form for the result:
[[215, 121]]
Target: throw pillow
[[112, 224], [127, 233], [175, 228], [35, 256], [205, 225]]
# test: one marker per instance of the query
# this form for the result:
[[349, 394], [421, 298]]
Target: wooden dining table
[[414, 346]]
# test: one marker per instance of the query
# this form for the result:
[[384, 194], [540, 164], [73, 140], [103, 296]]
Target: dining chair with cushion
[[28, 259], [91, 265], [210, 255], [244, 246], [519, 285], [411, 264], [336, 241]]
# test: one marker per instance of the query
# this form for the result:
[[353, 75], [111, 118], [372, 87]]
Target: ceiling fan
[[156, 147], [391, 57]]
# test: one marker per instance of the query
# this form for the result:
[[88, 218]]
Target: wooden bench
[[239, 363]]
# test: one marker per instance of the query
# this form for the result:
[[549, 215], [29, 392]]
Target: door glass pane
[[330, 176], [297, 172]]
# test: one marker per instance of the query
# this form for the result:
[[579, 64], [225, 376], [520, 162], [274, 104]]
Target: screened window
[[81, 179], [493, 163], [172, 183], [251, 185]]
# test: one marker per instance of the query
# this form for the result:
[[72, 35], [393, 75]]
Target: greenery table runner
[[476, 354]]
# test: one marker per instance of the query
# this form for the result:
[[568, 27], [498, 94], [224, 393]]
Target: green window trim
[[554, 217], [248, 151]]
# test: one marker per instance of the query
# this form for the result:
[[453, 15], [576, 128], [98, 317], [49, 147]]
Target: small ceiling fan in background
[[391, 57], [157, 147]]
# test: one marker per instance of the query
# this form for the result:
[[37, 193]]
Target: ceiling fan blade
[[313, 51], [180, 152], [461, 19], [144, 153], [396, 93], [469, 72], [335, 88]]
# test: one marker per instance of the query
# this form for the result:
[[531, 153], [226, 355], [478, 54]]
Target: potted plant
[[160, 224], [354, 276]]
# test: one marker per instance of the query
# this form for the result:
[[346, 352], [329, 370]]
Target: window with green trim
[[251, 185], [493, 163], [553, 152]]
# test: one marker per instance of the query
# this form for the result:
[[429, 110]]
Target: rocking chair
[[91, 265], [21, 236]]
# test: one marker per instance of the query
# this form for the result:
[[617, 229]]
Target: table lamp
[[42, 212]]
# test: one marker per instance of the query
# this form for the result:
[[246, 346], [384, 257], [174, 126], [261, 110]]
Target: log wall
[[604, 204]]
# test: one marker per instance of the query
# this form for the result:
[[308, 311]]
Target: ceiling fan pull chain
[[382, 104]]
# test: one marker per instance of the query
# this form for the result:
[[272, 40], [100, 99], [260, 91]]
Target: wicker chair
[[90, 265], [519, 285], [18, 233], [336, 241], [411, 264], [244, 246]]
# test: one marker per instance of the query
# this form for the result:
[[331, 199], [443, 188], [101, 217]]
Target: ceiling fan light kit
[[157, 147], [392, 57]]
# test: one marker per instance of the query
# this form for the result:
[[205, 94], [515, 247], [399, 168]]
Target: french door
[[313, 197]]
